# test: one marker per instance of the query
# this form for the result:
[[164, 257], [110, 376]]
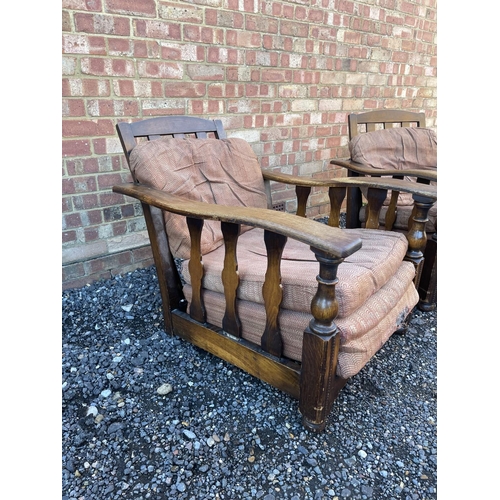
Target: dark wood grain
[[272, 292], [230, 278], [197, 308], [320, 348], [329, 239]]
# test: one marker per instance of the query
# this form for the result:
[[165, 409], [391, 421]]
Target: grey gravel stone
[[195, 443]]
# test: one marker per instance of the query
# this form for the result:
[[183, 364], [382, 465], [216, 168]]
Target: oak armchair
[[301, 305], [395, 143]]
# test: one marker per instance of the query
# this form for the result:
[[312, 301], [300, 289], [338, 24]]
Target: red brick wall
[[284, 75]]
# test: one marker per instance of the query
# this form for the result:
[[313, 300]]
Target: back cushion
[[397, 148], [220, 171]]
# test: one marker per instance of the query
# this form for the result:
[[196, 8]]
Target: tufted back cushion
[[396, 148], [220, 171]]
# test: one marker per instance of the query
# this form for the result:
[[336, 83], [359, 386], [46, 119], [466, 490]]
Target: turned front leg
[[417, 237], [318, 384]]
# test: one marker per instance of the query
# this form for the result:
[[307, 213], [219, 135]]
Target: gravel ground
[[146, 415]]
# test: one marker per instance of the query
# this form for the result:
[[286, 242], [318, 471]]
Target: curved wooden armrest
[[415, 188], [327, 239], [364, 169]]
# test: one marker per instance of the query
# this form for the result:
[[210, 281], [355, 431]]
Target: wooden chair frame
[[314, 381]]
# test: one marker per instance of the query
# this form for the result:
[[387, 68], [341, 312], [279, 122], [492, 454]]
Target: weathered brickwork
[[283, 75]]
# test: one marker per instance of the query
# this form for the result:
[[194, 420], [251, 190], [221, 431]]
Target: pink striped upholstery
[[397, 148], [375, 293], [360, 275]]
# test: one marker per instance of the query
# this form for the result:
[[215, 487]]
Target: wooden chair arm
[[419, 189], [361, 168], [319, 236]]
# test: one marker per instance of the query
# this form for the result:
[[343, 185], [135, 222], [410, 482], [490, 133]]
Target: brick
[[290, 28], [76, 148], [82, 166], [67, 205], [261, 24], [83, 128], [182, 52], [203, 34], [205, 72], [162, 107], [79, 87], [104, 107], [157, 29], [66, 21], [106, 181], [146, 49], [243, 39], [185, 89], [102, 24], [90, 5], [132, 7], [143, 254], [128, 210], [79, 185], [107, 67], [104, 146], [85, 202], [110, 199], [72, 272], [156, 69], [90, 234], [277, 76], [68, 236], [120, 47], [119, 229], [72, 220], [82, 44], [181, 13]]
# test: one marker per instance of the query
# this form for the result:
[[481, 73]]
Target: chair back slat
[[174, 126], [383, 118]]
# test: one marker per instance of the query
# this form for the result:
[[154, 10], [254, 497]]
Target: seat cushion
[[399, 148], [360, 275], [220, 171], [365, 321]]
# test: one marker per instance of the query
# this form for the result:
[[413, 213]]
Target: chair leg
[[427, 288], [319, 383]]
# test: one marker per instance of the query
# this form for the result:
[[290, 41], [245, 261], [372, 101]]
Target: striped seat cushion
[[375, 293], [360, 275]]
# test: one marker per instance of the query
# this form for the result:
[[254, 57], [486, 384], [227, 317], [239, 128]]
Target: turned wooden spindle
[[336, 195], [392, 211], [319, 382], [416, 235], [302, 193], [376, 198]]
